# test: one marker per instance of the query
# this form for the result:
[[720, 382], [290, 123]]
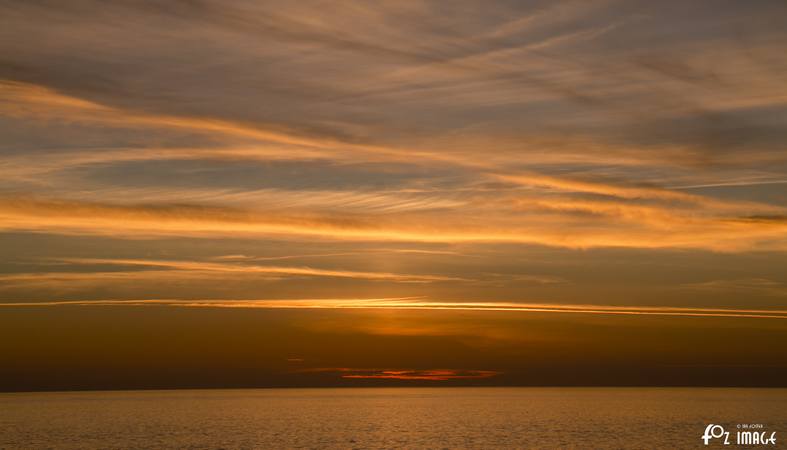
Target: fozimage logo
[[745, 434]]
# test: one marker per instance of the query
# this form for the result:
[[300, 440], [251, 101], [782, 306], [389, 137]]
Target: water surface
[[384, 417]]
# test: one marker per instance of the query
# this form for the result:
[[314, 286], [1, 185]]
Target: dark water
[[386, 418]]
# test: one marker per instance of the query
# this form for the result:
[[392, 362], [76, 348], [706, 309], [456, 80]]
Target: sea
[[393, 418]]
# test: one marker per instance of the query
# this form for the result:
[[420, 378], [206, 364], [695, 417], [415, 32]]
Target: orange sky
[[338, 193]]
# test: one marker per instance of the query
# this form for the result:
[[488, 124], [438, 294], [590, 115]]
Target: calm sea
[[386, 418]]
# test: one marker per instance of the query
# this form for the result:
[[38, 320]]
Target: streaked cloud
[[249, 269], [421, 304], [689, 231]]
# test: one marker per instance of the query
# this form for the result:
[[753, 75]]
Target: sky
[[204, 193]]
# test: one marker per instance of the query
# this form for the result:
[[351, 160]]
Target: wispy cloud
[[250, 269], [689, 231], [415, 303], [693, 221]]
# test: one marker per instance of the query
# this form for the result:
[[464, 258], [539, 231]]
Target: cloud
[[420, 304], [407, 374], [35, 101], [362, 252], [116, 274], [250, 269], [687, 230], [694, 221]]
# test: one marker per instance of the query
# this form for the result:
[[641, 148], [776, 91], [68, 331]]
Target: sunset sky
[[203, 193]]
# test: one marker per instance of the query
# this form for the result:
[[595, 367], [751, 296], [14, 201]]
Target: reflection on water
[[384, 418]]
